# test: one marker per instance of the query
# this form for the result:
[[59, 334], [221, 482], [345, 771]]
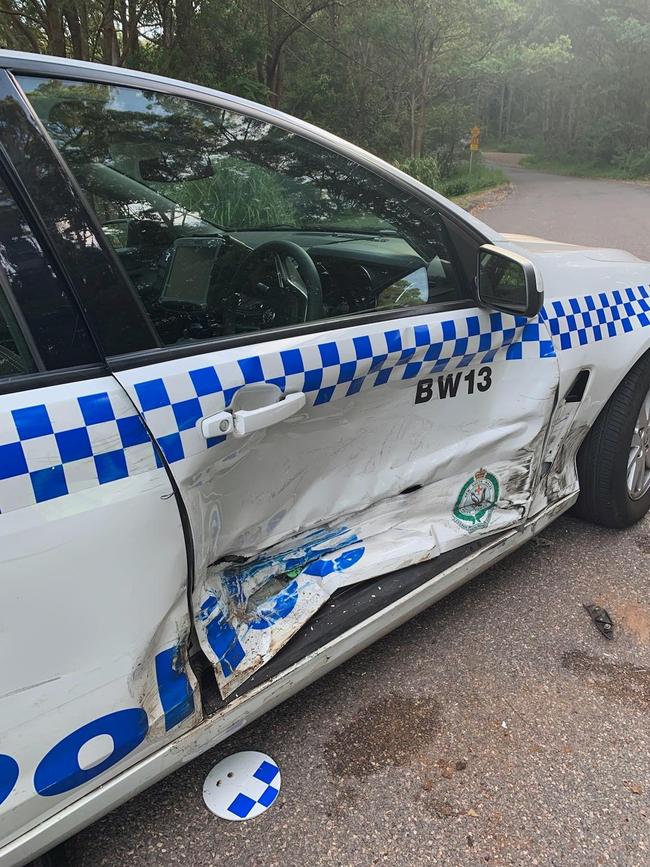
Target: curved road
[[496, 728], [600, 213]]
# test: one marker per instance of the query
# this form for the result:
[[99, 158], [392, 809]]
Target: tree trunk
[[110, 53], [54, 28]]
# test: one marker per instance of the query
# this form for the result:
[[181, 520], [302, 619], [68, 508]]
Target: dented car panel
[[285, 516], [166, 509]]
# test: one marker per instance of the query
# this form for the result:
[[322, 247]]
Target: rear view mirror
[[508, 282], [170, 168]]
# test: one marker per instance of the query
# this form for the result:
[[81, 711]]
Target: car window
[[226, 224], [15, 357], [30, 274]]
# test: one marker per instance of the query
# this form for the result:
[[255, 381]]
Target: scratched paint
[[251, 607]]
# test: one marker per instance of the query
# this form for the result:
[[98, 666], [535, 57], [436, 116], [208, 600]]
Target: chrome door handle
[[247, 421]]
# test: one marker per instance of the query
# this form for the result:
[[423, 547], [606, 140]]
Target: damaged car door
[[328, 396]]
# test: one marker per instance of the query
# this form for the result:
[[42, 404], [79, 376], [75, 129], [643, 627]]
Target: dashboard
[[191, 285]]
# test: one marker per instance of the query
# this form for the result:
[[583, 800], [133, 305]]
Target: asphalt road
[[600, 213], [498, 727]]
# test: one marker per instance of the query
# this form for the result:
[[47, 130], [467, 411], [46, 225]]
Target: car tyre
[[606, 457]]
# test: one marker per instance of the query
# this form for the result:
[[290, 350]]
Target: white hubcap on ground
[[242, 786]]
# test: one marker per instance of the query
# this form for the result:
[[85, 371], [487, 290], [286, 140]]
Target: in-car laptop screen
[[188, 278]]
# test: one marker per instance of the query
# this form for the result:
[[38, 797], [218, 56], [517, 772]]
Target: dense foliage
[[405, 78]]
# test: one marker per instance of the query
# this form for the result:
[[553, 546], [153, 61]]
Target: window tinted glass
[[226, 224], [53, 319], [15, 357]]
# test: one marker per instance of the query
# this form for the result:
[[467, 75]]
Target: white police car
[[247, 369]]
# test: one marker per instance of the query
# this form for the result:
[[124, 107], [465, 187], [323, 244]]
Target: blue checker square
[[546, 349], [252, 369], [32, 421], [496, 321], [242, 805], [111, 466], [347, 371], [363, 347], [485, 342], [377, 362], [422, 336], [205, 381], [266, 772], [172, 446], [12, 461], [393, 341], [383, 376], [132, 431], [292, 361], [531, 332], [74, 444], [313, 379], [96, 408], [324, 395], [152, 394], [355, 386], [222, 638], [268, 796], [473, 326], [514, 351], [405, 355], [49, 483], [329, 353], [411, 370], [449, 330], [433, 352], [460, 347], [187, 413]]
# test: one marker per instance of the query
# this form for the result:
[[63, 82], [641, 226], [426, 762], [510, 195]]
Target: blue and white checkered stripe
[[48, 450], [53, 448], [575, 322], [328, 371]]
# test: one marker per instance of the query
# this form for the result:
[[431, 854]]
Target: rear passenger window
[[30, 278], [15, 357]]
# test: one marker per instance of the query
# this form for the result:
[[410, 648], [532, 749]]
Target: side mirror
[[508, 282]]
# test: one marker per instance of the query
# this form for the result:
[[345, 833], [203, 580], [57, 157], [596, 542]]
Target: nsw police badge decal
[[476, 500]]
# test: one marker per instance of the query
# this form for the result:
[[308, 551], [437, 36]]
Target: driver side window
[[228, 225]]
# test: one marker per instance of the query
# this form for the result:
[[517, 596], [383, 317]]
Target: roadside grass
[[458, 183], [580, 168], [462, 183]]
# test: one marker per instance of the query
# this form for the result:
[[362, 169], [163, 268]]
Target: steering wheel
[[295, 295]]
